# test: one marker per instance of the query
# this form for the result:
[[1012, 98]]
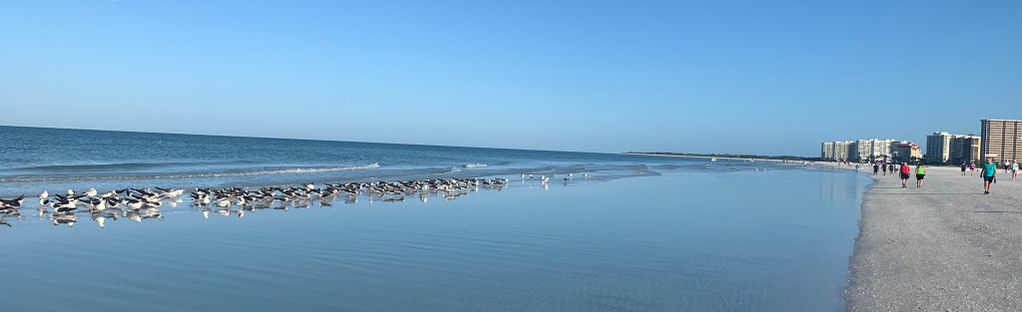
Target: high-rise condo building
[[905, 151], [836, 150], [827, 150], [1002, 139], [964, 149], [871, 149], [938, 147]]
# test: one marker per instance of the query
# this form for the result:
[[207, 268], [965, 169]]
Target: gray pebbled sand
[[944, 247]]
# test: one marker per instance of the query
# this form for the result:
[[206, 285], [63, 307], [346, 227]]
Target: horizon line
[[308, 139]]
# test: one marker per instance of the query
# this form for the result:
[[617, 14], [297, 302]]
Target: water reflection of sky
[[773, 240]]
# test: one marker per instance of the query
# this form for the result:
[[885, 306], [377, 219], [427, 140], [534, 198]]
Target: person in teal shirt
[[989, 175]]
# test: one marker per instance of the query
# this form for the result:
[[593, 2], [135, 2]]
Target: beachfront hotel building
[[836, 150], [944, 148], [858, 150], [842, 150], [938, 147], [905, 151], [1001, 139], [872, 149], [964, 149]]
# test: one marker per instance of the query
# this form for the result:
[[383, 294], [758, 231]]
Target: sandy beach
[[943, 247]]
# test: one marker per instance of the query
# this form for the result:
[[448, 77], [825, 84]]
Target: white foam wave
[[195, 175], [296, 170]]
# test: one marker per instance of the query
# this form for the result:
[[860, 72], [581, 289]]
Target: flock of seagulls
[[138, 204], [545, 179], [131, 203], [303, 196]]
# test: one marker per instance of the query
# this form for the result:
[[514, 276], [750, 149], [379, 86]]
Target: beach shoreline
[[943, 247]]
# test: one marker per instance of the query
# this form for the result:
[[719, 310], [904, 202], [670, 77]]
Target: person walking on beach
[[905, 171], [876, 169], [920, 174], [972, 168], [890, 167], [989, 175], [964, 166], [1014, 169]]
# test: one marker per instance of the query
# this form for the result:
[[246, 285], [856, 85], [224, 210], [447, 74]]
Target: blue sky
[[766, 77]]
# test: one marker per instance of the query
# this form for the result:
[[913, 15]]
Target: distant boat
[[713, 158]]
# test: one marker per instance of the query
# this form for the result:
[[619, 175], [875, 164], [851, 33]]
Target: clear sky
[[768, 77]]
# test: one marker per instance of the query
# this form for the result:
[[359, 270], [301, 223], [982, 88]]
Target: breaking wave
[[172, 176]]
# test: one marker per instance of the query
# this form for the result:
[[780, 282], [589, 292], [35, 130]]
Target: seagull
[[100, 206], [64, 207], [43, 197], [171, 193], [134, 204]]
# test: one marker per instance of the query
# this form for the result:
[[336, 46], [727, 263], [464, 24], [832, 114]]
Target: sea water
[[644, 234]]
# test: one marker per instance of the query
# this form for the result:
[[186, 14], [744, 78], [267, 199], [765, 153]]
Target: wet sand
[[943, 247]]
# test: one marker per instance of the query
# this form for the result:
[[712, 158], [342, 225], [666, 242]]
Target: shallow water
[[686, 240]]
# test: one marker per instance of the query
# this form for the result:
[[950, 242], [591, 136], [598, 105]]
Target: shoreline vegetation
[[724, 156]]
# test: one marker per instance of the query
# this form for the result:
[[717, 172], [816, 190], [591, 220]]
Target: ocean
[[34, 159], [642, 234]]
